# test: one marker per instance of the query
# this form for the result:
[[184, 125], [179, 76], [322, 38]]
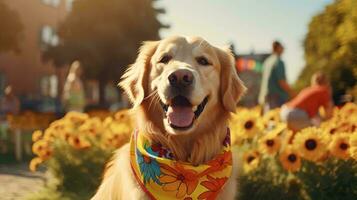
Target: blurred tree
[[331, 46], [11, 28], [104, 36]]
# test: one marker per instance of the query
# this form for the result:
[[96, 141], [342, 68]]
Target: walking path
[[16, 181]]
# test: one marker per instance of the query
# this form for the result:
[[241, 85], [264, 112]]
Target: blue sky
[[251, 24]]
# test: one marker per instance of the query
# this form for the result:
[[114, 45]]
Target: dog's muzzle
[[181, 114]]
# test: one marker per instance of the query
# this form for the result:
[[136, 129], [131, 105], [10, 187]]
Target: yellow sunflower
[[251, 160], [107, 122], [241, 110], [246, 123], [61, 125], [277, 128], [236, 135], [120, 128], [330, 127], [258, 110], [339, 146], [332, 130], [352, 124], [290, 160], [78, 142], [65, 135], [311, 144], [41, 148], [47, 154], [353, 139], [249, 126], [348, 125], [353, 145], [76, 117], [34, 163], [272, 117], [92, 126], [236, 139], [123, 116], [50, 134], [117, 140], [349, 109], [36, 135], [288, 136], [270, 143]]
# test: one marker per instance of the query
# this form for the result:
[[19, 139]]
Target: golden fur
[[145, 83]]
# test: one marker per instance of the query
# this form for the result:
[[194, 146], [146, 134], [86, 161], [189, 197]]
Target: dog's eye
[[202, 61], [165, 59]]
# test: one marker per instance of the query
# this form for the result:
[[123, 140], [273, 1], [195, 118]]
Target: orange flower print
[[184, 181], [214, 186], [218, 163]]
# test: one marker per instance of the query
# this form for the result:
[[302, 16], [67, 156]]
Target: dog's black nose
[[181, 78]]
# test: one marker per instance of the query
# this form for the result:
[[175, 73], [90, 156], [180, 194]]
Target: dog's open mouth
[[181, 114]]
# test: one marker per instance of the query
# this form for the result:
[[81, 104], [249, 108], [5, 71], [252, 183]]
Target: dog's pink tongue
[[180, 116]]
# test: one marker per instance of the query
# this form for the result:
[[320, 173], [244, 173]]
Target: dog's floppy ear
[[134, 81], [232, 87]]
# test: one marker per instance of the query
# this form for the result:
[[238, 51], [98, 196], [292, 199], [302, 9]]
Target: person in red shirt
[[302, 111]]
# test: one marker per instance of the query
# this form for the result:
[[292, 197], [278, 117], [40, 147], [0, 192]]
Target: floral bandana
[[162, 177]]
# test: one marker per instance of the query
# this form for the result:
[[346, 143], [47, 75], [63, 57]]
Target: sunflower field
[[74, 151], [315, 163]]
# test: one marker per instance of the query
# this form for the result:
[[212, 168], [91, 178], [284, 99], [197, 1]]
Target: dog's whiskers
[[152, 93], [154, 98], [157, 99]]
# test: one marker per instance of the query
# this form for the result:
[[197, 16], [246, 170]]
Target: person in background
[[73, 91], [10, 104], [302, 111], [274, 91]]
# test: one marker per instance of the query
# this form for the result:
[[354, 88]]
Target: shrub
[[75, 149]]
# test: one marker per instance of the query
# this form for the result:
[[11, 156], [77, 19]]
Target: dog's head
[[184, 83]]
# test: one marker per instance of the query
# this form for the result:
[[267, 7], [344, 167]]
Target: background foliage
[[331, 46], [104, 36]]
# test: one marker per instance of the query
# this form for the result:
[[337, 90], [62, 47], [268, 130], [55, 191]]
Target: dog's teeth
[[194, 108]]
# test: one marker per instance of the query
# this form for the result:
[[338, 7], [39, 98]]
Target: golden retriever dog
[[183, 90]]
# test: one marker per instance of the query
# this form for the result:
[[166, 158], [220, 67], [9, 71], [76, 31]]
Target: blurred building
[[249, 68], [25, 71]]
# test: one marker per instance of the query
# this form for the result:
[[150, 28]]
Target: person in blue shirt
[[274, 91]]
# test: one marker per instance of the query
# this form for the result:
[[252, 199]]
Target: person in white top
[[73, 92], [275, 90]]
